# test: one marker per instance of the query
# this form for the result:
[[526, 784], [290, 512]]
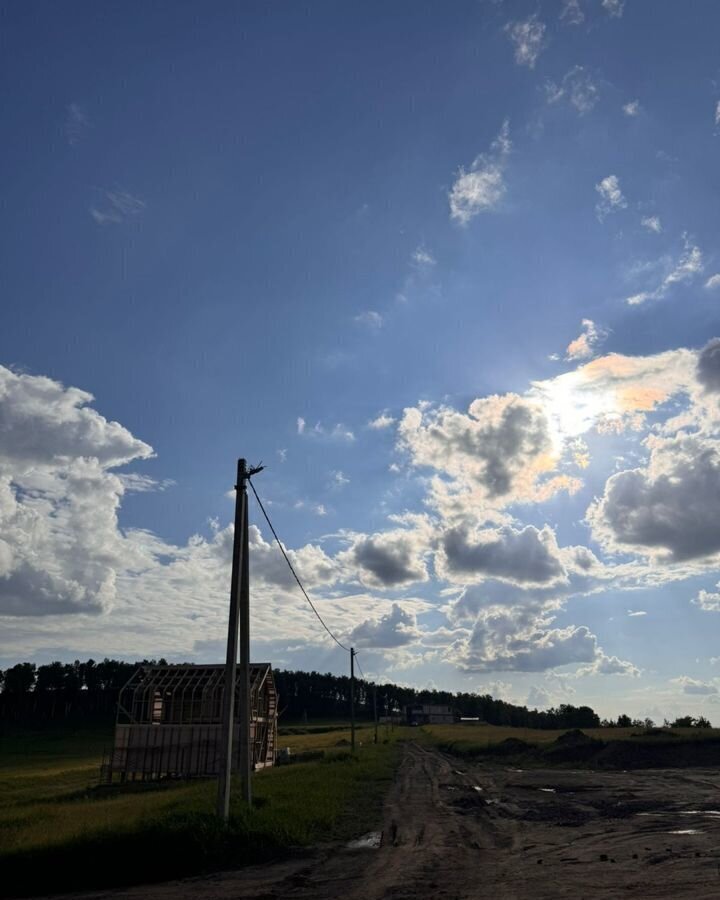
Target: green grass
[[57, 833]]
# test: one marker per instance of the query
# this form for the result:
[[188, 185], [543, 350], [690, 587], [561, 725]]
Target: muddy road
[[456, 831]]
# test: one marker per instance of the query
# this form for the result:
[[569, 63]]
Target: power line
[[287, 560], [357, 662]]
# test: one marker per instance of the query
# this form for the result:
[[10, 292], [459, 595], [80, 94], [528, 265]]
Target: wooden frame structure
[[169, 723]]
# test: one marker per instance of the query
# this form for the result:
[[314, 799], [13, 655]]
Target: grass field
[[57, 833]]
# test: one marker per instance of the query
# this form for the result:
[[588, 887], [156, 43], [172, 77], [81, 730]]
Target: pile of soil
[[575, 748]]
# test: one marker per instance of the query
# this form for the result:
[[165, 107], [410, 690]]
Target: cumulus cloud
[[713, 282], [59, 539], [632, 108], [667, 510], [585, 345], [501, 446], [611, 196], [652, 223], [693, 686], [481, 187], [708, 600], [708, 366], [388, 559], [527, 37], [116, 206], [383, 420], [538, 698], [608, 665], [395, 629], [501, 641], [528, 557], [577, 88], [684, 268], [717, 113]]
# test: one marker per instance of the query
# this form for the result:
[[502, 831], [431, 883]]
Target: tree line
[[89, 690]]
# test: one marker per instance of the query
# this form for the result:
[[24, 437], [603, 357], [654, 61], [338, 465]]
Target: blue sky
[[445, 271]]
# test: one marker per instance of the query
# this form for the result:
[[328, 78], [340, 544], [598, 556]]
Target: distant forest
[[82, 691]]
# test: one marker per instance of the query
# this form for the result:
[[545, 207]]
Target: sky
[[449, 272]]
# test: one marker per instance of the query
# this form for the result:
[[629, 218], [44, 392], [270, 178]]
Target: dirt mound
[[573, 747], [510, 747], [669, 754]]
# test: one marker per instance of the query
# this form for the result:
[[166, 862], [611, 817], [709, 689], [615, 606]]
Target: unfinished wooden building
[[169, 723]]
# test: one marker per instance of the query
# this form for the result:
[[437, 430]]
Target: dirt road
[[455, 831]]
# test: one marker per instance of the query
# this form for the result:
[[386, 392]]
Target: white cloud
[[585, 345], [422, 258], [513, 641], [60, 543], [693, 686], [708, 601], [338, 479], [370, 318], [614, 7], [383, 420], [632, 613], [608, 665], [652, 223], [500, 452], [717, 113], [713, 282], [527, 37], [395, 629], [632, 108], [611, 197], [538, 698], [338, 432], [482, 187], [572, 12], [116, 206], [689, 264], [577, 87]]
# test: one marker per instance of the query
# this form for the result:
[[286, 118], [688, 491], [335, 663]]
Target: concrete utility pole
[[375, 709], [239, 617], [352, 699]]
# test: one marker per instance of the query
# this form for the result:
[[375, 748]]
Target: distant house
[[169, 722], [429, 714]]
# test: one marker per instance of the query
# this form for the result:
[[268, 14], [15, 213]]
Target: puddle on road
[[686, 831], [369, 841], [547, 790], [711, 813], [476, 788]]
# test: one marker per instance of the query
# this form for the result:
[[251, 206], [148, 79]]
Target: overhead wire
[[295, 575]]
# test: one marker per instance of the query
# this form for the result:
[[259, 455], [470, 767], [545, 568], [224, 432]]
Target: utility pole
[[239, 618], [352, 699], [375, 709]]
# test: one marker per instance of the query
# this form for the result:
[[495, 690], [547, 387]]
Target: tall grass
[[56, 833]]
